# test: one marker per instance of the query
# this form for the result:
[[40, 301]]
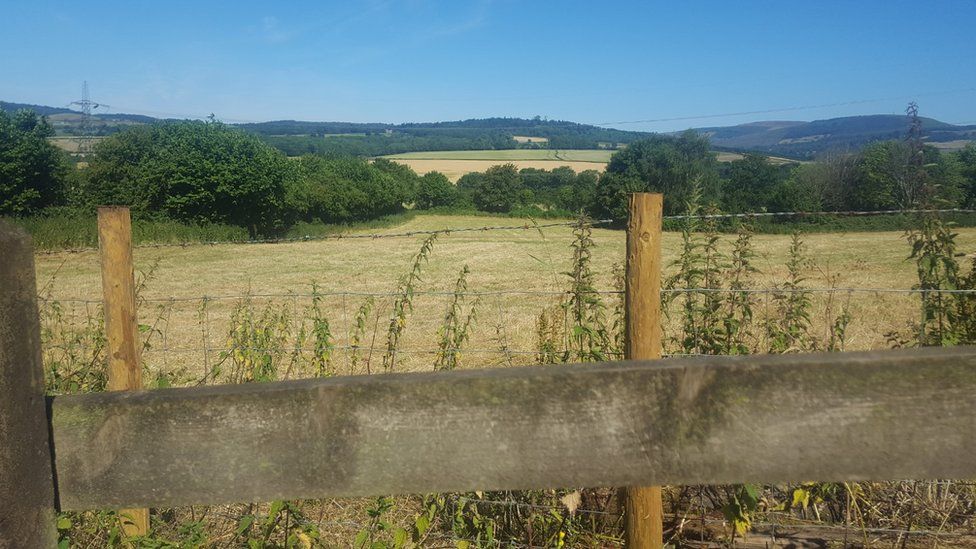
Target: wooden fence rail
[[852, 416]]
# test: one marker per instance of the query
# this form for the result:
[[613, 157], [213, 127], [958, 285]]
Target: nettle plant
[[403, 303], [455, 331]]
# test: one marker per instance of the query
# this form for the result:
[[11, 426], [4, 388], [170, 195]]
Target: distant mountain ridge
[[786, 138], [798, 139]]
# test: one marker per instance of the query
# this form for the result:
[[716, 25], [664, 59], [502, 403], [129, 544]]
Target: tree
[[882, 169], [803, 190], [967, 171], [404, 176], [434, 190], [344, 189], [33, 172], [673, 166], [828, 179], [499, 190], [194, 172], [750, 184], [611, 199], [579, 195]]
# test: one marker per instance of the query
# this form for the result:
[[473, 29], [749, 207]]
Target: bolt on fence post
[[27, 499], [643, 513], [121, 325]]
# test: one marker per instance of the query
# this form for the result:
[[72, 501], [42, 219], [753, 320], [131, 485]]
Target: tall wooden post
[[121, 325], [27, 498], [643, 511]]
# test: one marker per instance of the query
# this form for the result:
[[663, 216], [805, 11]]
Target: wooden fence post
[[27, 499], [643, 513], [121, 325]]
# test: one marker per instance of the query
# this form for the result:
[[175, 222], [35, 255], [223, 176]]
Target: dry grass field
[[70, 143], [455, 164], [454, 169], [564, 155], [527, 139], [775, 160], [186, 334]]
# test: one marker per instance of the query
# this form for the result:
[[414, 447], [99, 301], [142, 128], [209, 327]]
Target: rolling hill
[[807, 139], [791, 139]]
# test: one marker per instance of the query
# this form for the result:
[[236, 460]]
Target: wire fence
[[200, 333], [347, 236], [294, 330], [533, 225], [516, 293]]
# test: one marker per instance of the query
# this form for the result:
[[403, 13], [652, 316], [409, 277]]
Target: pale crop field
[[567, 155], [188, 335], [455, 169], [455, 164], [528, 139]]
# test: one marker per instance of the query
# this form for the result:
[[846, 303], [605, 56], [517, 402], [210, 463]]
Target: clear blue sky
[[416, 60]]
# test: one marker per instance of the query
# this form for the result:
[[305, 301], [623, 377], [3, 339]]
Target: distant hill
[[783, 138], [67, 122], [807, 139], [483, 133], [39, 109]]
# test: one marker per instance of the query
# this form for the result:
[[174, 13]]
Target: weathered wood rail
[[855, 416], [832, 416]]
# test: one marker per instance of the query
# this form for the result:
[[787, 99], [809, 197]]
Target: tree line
[[193, 172], [208, 172], [882, 176], [296, 138]]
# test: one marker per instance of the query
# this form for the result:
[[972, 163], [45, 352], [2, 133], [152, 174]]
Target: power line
[[87, 138], [779, 110]]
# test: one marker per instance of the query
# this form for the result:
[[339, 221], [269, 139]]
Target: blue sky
[[417, 60]]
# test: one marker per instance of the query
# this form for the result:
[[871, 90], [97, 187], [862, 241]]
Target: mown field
[[454, 164], [346, 270]]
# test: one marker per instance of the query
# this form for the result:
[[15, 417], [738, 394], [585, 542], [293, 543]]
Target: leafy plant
[[322, 341], [456, 328], [788, 331], [403, 303]]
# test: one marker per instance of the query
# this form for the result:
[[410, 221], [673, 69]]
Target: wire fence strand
[[523, 226], [346, 236], [502, 293]]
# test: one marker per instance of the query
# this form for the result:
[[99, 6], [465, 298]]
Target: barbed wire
[[523, 226], [844, 213], [357, 348], [502, 293], [332, 293], [346, 236], [817, 290]]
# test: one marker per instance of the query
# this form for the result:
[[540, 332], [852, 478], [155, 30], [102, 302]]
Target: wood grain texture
[[121, 322], [27, 497], [831, 417], [119, 293], [643, 509]]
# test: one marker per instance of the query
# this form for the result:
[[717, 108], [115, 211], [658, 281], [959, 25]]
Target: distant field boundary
[[593, 156]]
